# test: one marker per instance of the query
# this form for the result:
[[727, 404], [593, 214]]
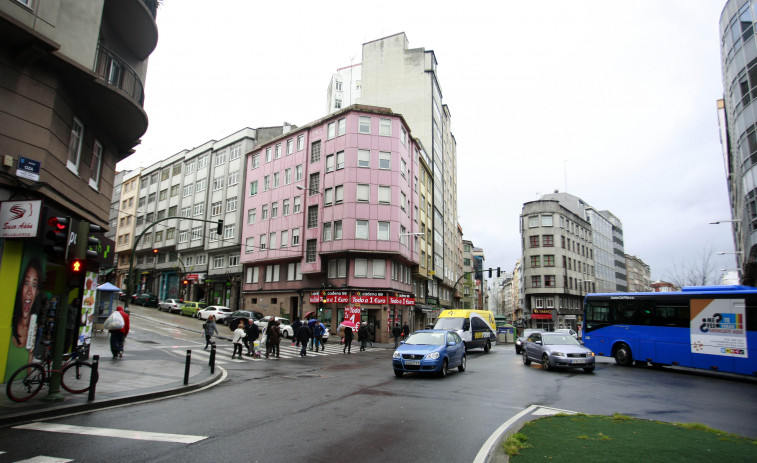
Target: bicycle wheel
[[76, 377], [25, 382]]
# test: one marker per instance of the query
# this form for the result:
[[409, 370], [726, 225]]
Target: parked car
[[218, 311], [191, 308], [147, 300], [430, 351], [567, 331], [525, 334], [556, 350], [171, 305], [283, 323], [233, 320]]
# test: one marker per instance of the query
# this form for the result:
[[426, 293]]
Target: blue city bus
[[706, 327]]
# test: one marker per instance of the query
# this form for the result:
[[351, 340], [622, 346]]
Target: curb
[[27, 416]]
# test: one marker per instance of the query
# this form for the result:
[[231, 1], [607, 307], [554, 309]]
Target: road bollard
[[212, 361], [95, 376], [186, 367]]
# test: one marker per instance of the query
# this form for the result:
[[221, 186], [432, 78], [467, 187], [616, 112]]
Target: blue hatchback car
[[430, 351]]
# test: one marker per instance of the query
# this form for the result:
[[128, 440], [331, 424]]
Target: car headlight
[[518, 343], [396, 355], [558, 354], [590, 354], [432, 355]]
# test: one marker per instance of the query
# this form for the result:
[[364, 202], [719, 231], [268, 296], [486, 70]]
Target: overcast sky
[[612, 101]]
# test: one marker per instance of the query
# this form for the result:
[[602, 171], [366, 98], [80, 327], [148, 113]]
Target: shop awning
[[541, 316]]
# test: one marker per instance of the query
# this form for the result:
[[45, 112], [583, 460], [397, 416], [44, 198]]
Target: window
[[251, 215], [403, 200], [546, 221], [361, 229], [163, 195], [534, 241], [379, 268], [200, 185], [233, 178], [300, 142], [249, 245], [340, 160], [533, 221], [231, 204], [268, 154], [278, 151], [141, 201], [315, 151], [187, 190], [403, 167], [535, 261], [385, 127], [221, 158], [536, 281], [290, 146], [549, 281], [364, 158], [337, 103], [310, 251], [297, 205], [547, 240], [262, 241], [198, 209], [233, 260], [284, 238], [293, 271], [264, 212], [338, 194], [327, 231], [403, 136], [253, 188], [196, 233], [298, 173], [383, 231], [275, 179], [549, 261], [97, 159], [74, 146], [218, 261], [172, 211], [175, 189], [266, 183], [272, 240], [288, 176], [216, 208], [315, 184], [330, 163], [385, 160], [285, 207], [337, 268], [331, 130], [341, 127], [364, 124], [312, 216], [202, 161], [255, 160], [164, 174], [236, 152], [159, 236], [161, 214], [361, 268], [328, 196], [363, 192], [274, 209], [217, 183], [338, 230], [295, 236]]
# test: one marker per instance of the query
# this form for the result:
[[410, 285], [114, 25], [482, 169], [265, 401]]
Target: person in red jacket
[[117, 337]]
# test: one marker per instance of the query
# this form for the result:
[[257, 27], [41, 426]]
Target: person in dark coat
[[348, 337], [118, 337], [405, 331], [274, 338], [295, 327], [303, 334], [251, 334], [362, 335], [396, 332], [209, 328]]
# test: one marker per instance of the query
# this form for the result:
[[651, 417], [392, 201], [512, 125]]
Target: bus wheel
[[487, 346], [623, 355]]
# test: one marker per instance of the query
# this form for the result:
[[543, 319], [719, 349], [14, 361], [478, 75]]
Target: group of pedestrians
[[247, 332]]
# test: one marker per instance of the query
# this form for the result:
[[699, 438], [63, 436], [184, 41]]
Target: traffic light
[[155, 251], [77, 268], [58, 234], [220, 227], [86, 245], [498, 272], [490, 273], [186, 282]]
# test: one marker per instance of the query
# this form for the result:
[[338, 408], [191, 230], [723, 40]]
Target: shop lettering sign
[[402, 299], [368, 297], [330, 297]]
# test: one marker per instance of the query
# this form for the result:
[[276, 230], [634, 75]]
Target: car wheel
[[526, 360], [623, 356], [517, 351], [545, 362], [443, 372], [463, 361], [488, 347], [398, 373], [589, 369]]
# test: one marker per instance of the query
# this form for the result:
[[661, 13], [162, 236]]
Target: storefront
[[542, 318]]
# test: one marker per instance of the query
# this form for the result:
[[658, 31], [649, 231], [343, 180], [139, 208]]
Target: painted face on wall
[[29, 290]]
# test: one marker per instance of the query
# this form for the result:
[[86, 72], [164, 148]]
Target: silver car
[[555, 350]]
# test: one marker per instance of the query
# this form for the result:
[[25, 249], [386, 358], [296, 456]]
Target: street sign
[[28, 169]]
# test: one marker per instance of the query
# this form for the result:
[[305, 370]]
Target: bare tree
[[699, 271]]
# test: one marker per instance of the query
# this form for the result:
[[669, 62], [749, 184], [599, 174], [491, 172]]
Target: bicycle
[[28, 380]]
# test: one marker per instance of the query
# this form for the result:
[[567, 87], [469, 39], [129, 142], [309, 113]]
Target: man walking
[[396, 332], [251, 334], [302, 335], [118, 336]]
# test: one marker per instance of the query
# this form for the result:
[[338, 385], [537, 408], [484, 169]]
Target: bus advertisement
[[705, 327]]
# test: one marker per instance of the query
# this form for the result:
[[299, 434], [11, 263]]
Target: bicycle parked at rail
[[27, 381]]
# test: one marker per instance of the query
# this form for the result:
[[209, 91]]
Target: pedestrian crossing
[[286, 351]]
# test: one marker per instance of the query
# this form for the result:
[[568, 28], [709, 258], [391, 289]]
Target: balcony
[[119, 74], [134, 22]]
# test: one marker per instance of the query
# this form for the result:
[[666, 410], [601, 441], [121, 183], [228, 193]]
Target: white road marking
[[109, 432], [44, 459]]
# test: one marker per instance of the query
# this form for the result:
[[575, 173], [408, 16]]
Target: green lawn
[[619, 438]]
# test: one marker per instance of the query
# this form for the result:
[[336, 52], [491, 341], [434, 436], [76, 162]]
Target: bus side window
[[466, 324]]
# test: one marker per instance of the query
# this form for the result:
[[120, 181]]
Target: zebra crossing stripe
[[44, 459], [110, 432]]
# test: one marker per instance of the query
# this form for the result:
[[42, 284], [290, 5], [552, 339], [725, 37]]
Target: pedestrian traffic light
[[220, 227], [490, 273], [78, 266], [498, 272], [76, 271], [58, 234], [86, 245]]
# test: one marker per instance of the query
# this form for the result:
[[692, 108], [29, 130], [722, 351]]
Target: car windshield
[[559, 339], [432, 339], [450, 324]]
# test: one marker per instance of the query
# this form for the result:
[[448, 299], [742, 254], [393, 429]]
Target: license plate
[[412, 362], [579, 361]]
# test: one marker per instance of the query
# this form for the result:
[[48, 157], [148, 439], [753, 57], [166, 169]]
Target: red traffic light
[[185, 282], [77, 266], [154, 251], [57, 223]]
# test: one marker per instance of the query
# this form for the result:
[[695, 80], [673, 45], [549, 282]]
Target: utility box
[[505, 334]]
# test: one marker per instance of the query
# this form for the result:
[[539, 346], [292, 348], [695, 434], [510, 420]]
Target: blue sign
[[28, 168]]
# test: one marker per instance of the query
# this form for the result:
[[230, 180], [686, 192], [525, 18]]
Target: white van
[[476, 327]]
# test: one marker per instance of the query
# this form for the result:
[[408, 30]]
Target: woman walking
[[348, 336], [237, 340], [274, 338], [210, 327], [362, 335]]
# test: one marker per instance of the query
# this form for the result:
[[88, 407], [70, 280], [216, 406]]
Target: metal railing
[[117, 72]]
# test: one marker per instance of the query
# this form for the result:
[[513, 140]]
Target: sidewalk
[[145, 372]]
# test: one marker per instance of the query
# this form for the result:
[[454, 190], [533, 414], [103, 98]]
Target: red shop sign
[[368, 297], [330, 297], [402, 299]]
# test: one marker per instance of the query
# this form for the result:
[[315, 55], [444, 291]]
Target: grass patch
[[620, 438]]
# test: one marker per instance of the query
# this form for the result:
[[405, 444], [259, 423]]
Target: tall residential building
[[405, 80], [344, 88], [482, 296], [72, 100], [737, 116], [638, 274], [468, 282], [558, 264], [177, 205], [331, 221]]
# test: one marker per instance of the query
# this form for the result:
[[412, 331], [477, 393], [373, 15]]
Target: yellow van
[[476, 327]]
